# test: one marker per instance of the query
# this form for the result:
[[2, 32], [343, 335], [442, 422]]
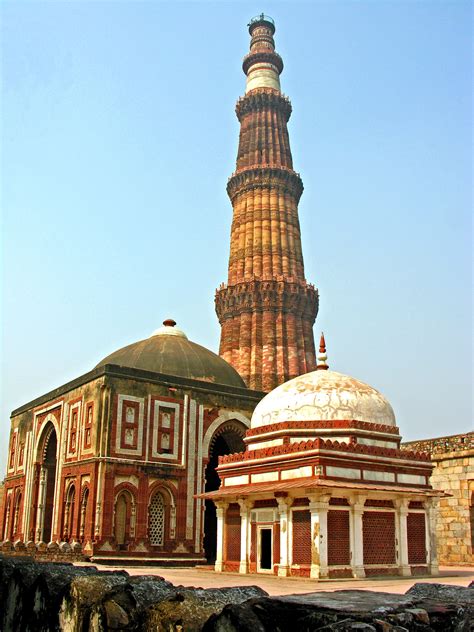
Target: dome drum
[[349, 431]]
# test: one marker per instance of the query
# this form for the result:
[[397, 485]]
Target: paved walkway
[[203, 578]]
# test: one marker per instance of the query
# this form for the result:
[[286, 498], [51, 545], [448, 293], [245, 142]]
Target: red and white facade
[[114, 461]]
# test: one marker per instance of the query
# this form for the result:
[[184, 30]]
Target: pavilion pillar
[[430, 530], [402, 515], [221, 508], [356, 536], [284, 504], [318, 507], [245, 507]]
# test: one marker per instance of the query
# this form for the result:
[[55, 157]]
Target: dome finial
[[168, 328], [322, 356]]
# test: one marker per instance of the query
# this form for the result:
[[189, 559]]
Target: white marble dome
[[323, 396]]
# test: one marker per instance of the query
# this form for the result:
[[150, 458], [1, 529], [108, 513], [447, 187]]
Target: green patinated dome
[[169, 351]]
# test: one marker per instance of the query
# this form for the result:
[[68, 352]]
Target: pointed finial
[[322, 356]]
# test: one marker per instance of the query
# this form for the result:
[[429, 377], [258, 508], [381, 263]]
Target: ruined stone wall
[[453, 458]]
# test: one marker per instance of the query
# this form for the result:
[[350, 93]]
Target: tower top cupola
[[262, 65]]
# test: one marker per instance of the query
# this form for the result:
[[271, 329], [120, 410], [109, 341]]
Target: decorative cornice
[[321, 444], [262, 57], [297, 298], [262, 177], [322, 425], [261, 99]]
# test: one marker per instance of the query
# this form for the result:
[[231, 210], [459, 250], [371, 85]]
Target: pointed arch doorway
[[47, 453], [227, 439]]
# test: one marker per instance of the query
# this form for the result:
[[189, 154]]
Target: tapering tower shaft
[[266, 310]]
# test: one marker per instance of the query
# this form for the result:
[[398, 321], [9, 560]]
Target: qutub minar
[[266, 310], [168, 453]]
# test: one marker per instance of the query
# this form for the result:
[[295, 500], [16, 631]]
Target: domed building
[[323, 488], [114, 459]]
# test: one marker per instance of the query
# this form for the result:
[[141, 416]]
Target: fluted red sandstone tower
[[266, 310]]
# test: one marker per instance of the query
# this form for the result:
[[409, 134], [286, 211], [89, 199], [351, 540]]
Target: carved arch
[[214, 429], [49, 424], [124, 513]]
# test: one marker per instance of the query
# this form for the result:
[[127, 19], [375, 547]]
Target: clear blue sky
[[118, 136]]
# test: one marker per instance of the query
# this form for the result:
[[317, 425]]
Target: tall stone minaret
[[266, 310]]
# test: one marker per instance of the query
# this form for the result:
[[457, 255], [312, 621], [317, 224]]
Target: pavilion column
[[284, 505], [402, 515], [357, 536], [318, 507], [431, 543], [245, 507], [221, 508]]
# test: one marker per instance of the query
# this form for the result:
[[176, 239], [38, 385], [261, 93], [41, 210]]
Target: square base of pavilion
[[323, 529]]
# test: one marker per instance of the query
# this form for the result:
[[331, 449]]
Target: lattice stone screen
[[156, 521]]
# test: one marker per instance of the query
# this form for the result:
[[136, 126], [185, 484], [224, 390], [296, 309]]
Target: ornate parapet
[[442, 445], [272, 295], [265, 57], [265, 176], [321, 444], [263, 99], [322, 424]]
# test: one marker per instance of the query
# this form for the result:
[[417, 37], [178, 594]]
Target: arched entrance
[[227, 439], [47, 482], [124, 520]]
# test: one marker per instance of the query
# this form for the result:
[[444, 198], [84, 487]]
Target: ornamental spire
[[267, 309], [322, 355]]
